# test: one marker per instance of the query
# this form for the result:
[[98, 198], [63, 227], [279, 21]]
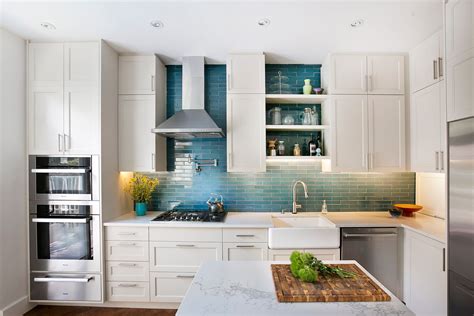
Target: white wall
[[13, 196]]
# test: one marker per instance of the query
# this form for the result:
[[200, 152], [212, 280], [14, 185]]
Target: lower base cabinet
[[169, 287], [128, 291], [321, 254], [245, 251]]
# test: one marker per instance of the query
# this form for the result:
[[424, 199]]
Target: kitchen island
[[246, 288]]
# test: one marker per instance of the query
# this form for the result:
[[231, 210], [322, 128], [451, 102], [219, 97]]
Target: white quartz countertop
[[431, 227], [247, 288]]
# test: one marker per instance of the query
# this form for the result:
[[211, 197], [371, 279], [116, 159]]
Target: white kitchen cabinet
[[246, 133], [321, 254], [424, 275], [426, 62], [386, 74], [254, 235], [386, 132], [126, 250], [139, 111], [45, 120], [460, 59], [169, 287], [428, 130], [182, 256], [349, 146], [63, 99], [137, 75], [354, 74], [128, 291], [128, 271], [246, 73], [245, 251]]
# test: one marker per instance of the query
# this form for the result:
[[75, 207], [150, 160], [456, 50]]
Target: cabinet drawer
[[169, 287], [186, 234], [245, 235], [245, 251], [126, 233], [127, 250], [182, 257], [128, 271], [128, 291]]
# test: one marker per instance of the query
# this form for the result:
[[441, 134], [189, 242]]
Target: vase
[[307, 88], [141, 208]]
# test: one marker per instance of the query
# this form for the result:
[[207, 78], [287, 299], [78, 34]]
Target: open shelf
[[295, 98], [296, 127], [296, 158]]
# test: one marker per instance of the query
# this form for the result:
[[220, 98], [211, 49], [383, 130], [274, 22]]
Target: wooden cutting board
[[360, 288]]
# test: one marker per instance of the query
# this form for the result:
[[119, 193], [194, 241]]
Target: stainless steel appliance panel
[[461, 217], [376, 249], [65, 287]]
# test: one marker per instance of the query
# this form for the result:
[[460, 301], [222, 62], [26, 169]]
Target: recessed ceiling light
[[48, 26], [157, 23], [264, 22], [357, 23]]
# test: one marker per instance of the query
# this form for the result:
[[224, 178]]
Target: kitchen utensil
[[408, 209], [275, 116], [215, 203], [288, 120]]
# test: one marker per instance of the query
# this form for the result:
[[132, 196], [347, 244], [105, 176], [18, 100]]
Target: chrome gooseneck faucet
[[295, 205]]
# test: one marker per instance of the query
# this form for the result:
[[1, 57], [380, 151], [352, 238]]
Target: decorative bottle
[[307, 88]]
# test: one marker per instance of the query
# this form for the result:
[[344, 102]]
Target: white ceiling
[[300, 31]]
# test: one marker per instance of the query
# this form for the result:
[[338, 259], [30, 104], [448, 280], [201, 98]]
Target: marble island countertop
[[431, 227], [246, 288]]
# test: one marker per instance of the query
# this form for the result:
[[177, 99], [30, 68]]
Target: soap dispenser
[[324, 209]]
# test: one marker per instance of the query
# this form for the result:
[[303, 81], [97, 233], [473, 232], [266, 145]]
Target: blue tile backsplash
[[270, 191]]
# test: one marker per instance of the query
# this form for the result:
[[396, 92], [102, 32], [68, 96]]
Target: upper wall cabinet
[[460, 59], [364, 74], [137, 75], [246, 73], [141, 107], [63, 98], [427, 63]]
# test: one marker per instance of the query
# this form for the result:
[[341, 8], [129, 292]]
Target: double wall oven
[[64, 214]]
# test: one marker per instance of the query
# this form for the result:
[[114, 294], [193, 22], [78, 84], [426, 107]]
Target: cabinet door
[[424, 277], [245, 251], [246, 133], [426, 129], [45, 120], [349, 133], [82, 119], [169, 287], [424, 62], [348, 74], [136, 141], [459, 27], [128, 291], [386, 74], [137, 75], [45, 64], [386, 133], [246, 73], [81, 63]]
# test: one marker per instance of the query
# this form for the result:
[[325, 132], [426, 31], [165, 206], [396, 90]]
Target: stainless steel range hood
[[193, 121]]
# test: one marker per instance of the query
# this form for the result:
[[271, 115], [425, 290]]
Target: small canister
[[297, 150]]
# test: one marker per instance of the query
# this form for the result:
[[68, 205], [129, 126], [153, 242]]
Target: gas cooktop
[[190, 216]]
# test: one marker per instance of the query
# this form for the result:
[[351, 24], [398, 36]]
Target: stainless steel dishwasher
[[377, 250]]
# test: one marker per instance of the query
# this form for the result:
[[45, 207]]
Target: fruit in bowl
[[408, 210]]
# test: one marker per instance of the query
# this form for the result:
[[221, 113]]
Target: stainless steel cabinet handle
[[440, 67], [67, 142], [53, 279], [244, 235], [245, 246], [127, 285], [437, 160], [61, 220], [127, 234], [124, 264], [81, 170], [185, 245], [152, 83], [59, 142], [229, 82], [444, 259], [441, 158], [435, 69], [346, 235], [183, 276], [131, 244]]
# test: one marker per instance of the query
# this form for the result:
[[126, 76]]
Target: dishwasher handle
[[347, 235]]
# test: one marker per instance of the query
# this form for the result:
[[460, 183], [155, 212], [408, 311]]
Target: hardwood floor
[[43, 310]]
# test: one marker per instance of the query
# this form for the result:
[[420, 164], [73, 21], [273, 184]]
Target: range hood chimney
[[192, 121]]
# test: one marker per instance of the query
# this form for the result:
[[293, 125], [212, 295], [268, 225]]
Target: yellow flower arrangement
[[141, 187]]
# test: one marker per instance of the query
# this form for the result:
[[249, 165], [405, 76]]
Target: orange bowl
[[408, 209]]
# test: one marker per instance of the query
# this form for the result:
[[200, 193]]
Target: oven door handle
[[61, 220], [79, 170], [53, 279]]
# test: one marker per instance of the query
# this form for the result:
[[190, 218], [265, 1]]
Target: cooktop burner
[[190, 216]]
